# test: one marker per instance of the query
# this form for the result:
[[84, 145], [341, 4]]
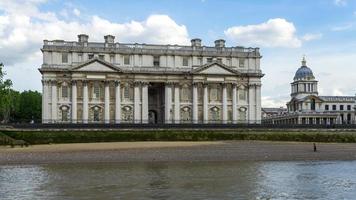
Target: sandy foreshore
[[176, 151]]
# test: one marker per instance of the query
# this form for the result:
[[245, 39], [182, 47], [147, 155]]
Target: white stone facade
[[307, 107], [87, 82]]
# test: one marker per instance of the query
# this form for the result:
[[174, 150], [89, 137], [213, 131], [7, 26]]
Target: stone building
[[307, 107], [110, 82]]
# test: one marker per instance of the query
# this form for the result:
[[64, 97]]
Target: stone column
[[224, 103], [137, 101], [168, 102], [45, 110], [74, 101], [195, 103], [85, 102], [258, 104], [107, 103], [54, 101], [145, 103], [117, 102], [177, 103], [205, 104], [234, 103], [251, 103]]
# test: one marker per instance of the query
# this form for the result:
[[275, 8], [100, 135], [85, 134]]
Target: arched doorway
[[152, 117]]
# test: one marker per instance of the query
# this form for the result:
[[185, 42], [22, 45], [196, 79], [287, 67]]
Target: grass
[[46, 137]]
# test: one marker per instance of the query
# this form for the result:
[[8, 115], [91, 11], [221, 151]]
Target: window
[[156, 61], [80, 57], [64, 57], [228, 61], [101, 57], [96, 116], [312, 106], [200, 61], [348, 107], [241, 62], [185, 61], [242, 95], [209, 60], [64, 91], [112, 58], [64, 114], [127, 92], [334, 107], [126, 60], [90, 56], [341, 107], [219, 60], [96, 91], [213, 94], [326, 107]]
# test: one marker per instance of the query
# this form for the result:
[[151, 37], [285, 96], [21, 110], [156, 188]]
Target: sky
[[284, 30]]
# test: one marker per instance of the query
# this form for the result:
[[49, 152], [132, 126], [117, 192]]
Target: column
[[251, 103], [107, 103], [74, 101], [117, 102], [195, 103], [224, 103], [45, 110], [168, 103], [177, 103], [205, 104], [145, 103], [137, 98], [54, 101], [258, 104], [85, 102], [234, 103]]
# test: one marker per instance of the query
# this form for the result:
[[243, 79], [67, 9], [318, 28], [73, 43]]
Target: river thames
[[181, 180]]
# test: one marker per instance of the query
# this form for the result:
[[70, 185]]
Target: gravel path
[[176, 151]]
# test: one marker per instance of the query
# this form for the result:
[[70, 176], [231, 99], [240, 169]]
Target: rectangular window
[[156, 61], [348, 107], [112, 58], [334, 107], [90, 56], [101, 57], [80, 57], [242, 95], [209, 60], [326, 107], [64, 57], [341, 107], [96, 91], [126, 60], [241, 62], [200, 61], [64, 92], [185, 61]]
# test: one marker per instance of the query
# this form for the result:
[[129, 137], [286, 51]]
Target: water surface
[[182, 180]]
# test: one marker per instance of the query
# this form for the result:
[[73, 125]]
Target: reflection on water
[[208, 180]]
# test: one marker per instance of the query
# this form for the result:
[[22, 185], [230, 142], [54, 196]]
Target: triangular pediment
[[215, 68], [96, 65]]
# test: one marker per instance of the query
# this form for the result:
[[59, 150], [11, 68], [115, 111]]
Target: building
[[91, 82], [273, 112], [307, 107]]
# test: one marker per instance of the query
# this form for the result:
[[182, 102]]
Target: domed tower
[[304, 82]]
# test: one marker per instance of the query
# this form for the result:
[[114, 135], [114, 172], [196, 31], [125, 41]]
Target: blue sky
[[323, 30]]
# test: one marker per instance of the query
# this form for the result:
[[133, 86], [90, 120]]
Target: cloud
[[273, 102], [276, 32], [340, 2], [311, 36], [343, 27], [23, 27]]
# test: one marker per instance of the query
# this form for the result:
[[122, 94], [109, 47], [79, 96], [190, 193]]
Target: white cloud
[[276, 32], [23, 28], [340, 2], [311, 36], [76, 12], [273, 102], [343, 27]]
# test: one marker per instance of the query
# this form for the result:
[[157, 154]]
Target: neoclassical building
[[110, 82], [307, 107]]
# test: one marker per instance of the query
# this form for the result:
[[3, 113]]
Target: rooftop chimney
[[109, 39], [219, 43], [83, 38], [196, 42]]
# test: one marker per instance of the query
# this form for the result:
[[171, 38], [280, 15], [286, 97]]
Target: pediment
[[96, 65], [215, 68]]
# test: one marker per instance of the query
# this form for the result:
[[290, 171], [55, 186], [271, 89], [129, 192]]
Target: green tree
[[6, 96], [30, 106]]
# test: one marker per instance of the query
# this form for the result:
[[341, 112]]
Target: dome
[[303, 72]]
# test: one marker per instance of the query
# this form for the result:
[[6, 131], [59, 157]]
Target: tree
[[6, 97], [30, 106]]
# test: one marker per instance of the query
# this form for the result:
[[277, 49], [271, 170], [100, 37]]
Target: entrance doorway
[[156, 103]]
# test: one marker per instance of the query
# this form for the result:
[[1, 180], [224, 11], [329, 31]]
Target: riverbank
[[176, 152]]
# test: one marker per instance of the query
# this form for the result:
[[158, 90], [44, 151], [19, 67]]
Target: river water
[[182, 180]]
